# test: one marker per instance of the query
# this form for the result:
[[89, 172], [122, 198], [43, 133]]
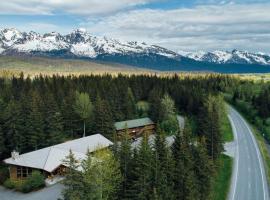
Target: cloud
[[79, 7], [206, 27]]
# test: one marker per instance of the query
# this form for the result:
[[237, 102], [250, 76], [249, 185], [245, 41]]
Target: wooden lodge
[[49, 161], [135, 128]]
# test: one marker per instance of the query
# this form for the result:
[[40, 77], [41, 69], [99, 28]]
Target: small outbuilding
[[49, 160], [136, 127]]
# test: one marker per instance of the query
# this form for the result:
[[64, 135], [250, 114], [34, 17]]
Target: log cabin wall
[[13, 172], [138, 131]]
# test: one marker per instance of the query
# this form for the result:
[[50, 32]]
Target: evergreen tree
[[35, 123], [132, 187], [155, 105], [129, 105], [71, 121], [163, 168], [73, 180], [125, 158], [144, 171], [14, 127], [184, 178], [103, 122], [203, 169], [53, 127], [211, 125]]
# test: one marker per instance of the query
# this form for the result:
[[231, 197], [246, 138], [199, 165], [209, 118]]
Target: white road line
[[237, 156], [258, 154]]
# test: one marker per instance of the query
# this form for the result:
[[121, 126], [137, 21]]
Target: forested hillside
[[39, 112]]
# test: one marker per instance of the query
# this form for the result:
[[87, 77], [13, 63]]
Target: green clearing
[[221, 182], [34, 66]]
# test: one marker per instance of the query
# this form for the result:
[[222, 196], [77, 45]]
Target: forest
[[43, 111]]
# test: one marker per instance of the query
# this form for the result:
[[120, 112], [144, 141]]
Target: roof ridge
[[67, 150], [47, 158]]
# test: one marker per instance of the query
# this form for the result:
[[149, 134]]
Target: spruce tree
[[129, 105], [125, 157], [53, 127], [14, 127], [35, 123], [73, 179], [163, 168], [203, 169], [155, 105], [71, 121], [184, 177], [211, 126], [144, 171], [103, 122]]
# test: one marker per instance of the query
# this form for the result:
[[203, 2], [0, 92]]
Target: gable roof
[[50, 158], [133, 123]]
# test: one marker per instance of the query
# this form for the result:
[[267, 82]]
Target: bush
[[170, 126], [9, 184], [34, 182], [4, 174]]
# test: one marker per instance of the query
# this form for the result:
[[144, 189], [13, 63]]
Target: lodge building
[[135, 128], [49, 161]]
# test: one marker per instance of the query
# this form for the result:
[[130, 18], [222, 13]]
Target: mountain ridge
[[82, 45]]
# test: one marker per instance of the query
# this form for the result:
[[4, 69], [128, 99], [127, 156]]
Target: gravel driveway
[[48, 193]]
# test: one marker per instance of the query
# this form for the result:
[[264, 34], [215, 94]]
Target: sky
[[179, 25]]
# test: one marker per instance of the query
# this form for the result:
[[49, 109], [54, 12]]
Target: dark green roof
[[133, 123]]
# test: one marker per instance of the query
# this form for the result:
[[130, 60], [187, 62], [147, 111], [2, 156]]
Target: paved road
[[249, 179]]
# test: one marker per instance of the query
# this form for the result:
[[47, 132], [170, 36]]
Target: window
[[23, 172], [19, 172]]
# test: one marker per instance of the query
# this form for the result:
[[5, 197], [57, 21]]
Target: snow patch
[[82, 49], [223, 56]]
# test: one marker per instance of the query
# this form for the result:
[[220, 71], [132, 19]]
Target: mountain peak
[[79, 43], [227, 57]]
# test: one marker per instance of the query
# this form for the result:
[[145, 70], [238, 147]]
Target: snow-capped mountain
[[234, 57], [79, 43]]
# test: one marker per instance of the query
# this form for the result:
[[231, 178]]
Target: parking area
[[48, 193]]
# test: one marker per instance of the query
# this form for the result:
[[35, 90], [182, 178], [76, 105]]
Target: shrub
[[170, 126], [9, 184], [12, 184], [34, 182], [4, 174]]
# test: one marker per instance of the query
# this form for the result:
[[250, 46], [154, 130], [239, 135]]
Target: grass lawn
[[222, 180], [227, 130]]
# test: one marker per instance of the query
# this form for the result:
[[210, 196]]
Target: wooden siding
[[137, 131], [13, 172]]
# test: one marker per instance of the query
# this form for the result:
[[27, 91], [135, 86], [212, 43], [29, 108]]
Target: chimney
[[15, 155]]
